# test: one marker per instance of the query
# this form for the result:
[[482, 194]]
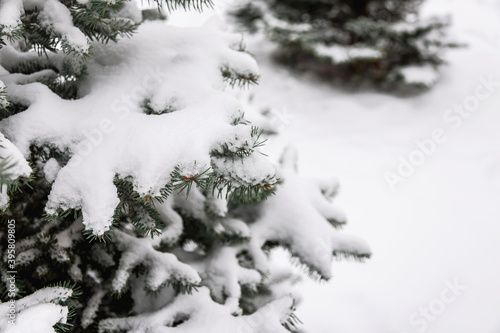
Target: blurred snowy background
[[435, 236]]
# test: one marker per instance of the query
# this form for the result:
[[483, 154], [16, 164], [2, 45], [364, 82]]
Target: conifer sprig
[[187, 5], [235, 78]]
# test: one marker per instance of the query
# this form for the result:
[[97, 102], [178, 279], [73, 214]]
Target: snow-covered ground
[[441, 226], [435, 236]]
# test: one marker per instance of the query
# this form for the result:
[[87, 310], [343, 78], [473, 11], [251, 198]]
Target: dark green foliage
[[153, 15], [71, 303], [136, 210], [248, 147], [98, 22], [14, 186], [205, 236], [244, 194], [235, 78], [42, 260], [390, 30], [148, 109], [9, 35]]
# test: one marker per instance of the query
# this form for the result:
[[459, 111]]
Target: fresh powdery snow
[[438, 228], [40, 310], [315, 242], [53, 14], [10, 13], [17, 166], [203, 312], [56, 16], [109, 134]]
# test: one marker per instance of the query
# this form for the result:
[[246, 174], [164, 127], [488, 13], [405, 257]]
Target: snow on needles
[[57, 16], [53, 15], [301, 217], [15, 166], [167, 68], [200, 309], [10, 13], [42, 307]]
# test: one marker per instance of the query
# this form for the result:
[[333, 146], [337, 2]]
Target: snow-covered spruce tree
[[355, 43], [133, 185]]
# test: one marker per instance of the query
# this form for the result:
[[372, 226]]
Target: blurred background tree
[[356, 43]]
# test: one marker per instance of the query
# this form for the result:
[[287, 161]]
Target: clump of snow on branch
[[41, 308], [188, 313], [170, 67], [13, 166], [301, 218]]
